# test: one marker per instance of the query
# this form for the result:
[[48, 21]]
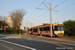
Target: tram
[[57, 30]]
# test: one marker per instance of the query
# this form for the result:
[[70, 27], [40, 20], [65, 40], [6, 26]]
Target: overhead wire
[[62, 8], [51, 1], [67, 6], [43, 13], [59, 4], [42, 19], [45, 5], [34, 15], [39, 16], [32, 12], [56, 5]]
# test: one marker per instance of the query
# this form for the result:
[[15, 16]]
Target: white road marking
[[18, 44], [6, 37], [6, 47]]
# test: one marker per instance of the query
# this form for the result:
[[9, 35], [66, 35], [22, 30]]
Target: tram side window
[[50, 28], [56, 29], [46, 28], [35, 30], [28, 29], [40, 29]]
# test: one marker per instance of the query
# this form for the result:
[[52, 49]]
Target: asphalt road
[[38, 45], [6, 45], [2, 36]]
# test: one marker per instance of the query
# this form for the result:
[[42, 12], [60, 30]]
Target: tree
[[69, 27], [3, 21], [17, 16], [3, 18]]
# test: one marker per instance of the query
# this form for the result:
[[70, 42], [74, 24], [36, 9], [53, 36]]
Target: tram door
[[40, 29]]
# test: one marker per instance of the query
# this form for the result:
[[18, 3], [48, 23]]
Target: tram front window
[[58, 28]]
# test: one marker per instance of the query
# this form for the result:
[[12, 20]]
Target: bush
[[69, 27], [13, 30]]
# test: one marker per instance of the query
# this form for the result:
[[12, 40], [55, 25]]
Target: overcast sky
[[64, 11]]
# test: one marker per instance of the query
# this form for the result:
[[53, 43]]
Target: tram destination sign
[[60, 24]]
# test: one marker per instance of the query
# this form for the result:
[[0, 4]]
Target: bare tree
[[17, 17]]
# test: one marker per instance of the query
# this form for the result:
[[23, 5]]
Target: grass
[[73, 37]]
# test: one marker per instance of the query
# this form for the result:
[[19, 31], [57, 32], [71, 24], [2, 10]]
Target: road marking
[[6, 47], [18, 44], [51, 41], [6, 37]]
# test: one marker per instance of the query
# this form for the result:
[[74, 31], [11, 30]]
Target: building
[[9, 20]]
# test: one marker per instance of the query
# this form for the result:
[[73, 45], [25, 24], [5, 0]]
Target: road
[[7, 45], [35, 44]]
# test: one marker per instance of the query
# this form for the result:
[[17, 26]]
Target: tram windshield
[[58, 28]]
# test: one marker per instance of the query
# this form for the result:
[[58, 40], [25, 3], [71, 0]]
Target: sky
[[62, 10]]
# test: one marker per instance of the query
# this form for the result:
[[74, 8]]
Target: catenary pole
[[50, 20]]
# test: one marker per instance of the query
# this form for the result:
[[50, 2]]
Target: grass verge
[[73, 37]]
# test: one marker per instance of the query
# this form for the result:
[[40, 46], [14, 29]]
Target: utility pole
[[27, 27], [50, 19], [31, 24]]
